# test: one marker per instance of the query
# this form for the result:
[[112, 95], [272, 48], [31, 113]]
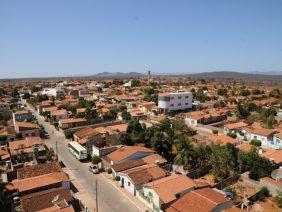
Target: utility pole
[[96, 194], [57, 150]]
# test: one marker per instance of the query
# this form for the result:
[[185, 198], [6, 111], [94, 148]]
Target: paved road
[[109, 198]]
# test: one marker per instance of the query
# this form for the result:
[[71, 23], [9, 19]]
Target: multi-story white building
[[175, 101], [53, 92]]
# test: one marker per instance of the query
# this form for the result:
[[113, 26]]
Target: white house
[[134, 179], [175, 101], [159, 194], [257, 132], [276, 142], [53, 92]]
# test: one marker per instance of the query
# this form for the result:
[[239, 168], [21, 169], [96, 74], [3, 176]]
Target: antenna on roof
[[149, 77]]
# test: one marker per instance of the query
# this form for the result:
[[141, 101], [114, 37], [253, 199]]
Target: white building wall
[[127, 184], [176, 101]]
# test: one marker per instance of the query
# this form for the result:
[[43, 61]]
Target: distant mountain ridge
[[236, 76], [117, 74]]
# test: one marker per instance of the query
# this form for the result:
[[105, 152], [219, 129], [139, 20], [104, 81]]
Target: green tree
[[222, 92], [95, 160], [125, 115], [50, 154], [241, 112], [161, 145], [35, 153], [69, 134], [185, 152]]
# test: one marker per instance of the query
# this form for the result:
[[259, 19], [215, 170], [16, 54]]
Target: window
[[128, 184], [186, 97], [179, 104], [172, 97], [180, 97], [171, 105], [186, 103]]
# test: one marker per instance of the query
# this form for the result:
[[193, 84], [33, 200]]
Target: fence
[[229, 181], [199, 172]]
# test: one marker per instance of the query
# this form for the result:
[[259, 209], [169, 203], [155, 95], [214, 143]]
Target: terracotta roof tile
[[126, 151], [205, 199], [169, 186]]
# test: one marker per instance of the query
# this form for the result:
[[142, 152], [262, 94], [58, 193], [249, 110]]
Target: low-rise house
[[23, 115], [205, 117], [222, 139], [159, 194], [134, 179], [276, 142], [44, 104], [146, 107], [102, 151], [205, 199], [53, 199], [27, 146], [273, 155], [259, 133], [72, 122], [37, 170], [234, 127], [9, 133], [40, 183], [125, 153], [60, 114], [114, 133], [26, 129], [138, 114]]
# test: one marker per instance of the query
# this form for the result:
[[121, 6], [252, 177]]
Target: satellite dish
[[55, 199]]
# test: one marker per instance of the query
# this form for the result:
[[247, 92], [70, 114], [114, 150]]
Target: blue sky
[[81, 37]]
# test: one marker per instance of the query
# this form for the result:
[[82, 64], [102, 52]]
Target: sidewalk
[[140, 205], [81, 194]]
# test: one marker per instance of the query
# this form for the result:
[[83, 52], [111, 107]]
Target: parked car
[[93, 169]]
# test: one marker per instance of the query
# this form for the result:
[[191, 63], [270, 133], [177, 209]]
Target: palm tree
[[185, 152], [50, 154]]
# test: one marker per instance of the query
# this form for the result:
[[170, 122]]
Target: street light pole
[[96, 191]]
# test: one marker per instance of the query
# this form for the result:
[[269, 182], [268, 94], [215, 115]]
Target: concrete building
[[53, 92], [175, 101]]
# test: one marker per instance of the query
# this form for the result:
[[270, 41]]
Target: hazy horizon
[[79, 38]]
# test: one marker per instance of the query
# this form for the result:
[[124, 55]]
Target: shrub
[[215, 132], [56, 124], [241, 133], [279, 199], [117, 178], [232, 135], [109, 171], [69, 134], [255, 142], [96, 160]]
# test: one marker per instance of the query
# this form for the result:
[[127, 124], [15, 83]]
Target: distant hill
[[235, 76], [117, 75]]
